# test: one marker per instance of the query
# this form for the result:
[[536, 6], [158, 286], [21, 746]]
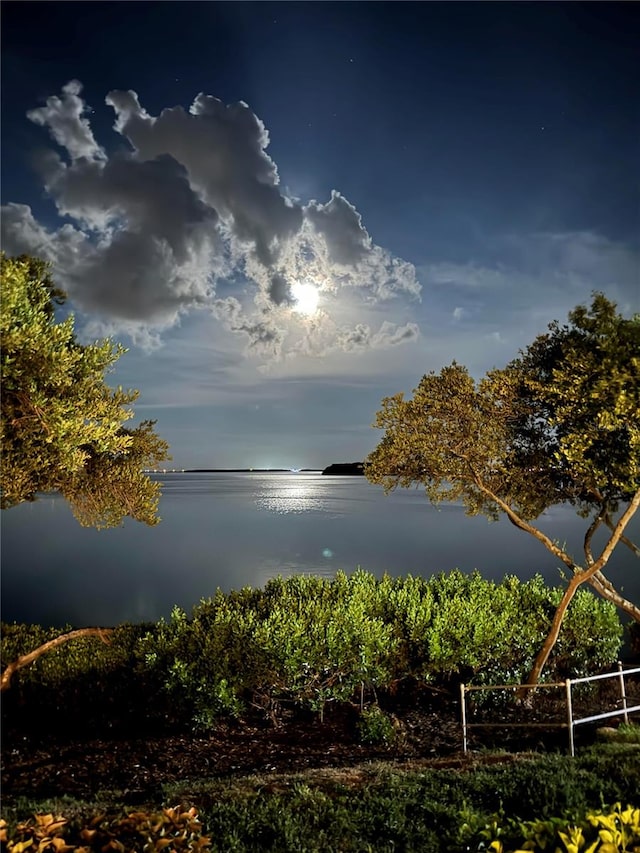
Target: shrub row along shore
[[303, 642]]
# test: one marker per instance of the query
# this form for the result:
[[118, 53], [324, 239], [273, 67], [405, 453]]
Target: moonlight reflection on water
[[292, 496]]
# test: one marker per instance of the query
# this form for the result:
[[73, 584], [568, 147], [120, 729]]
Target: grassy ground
[[451, 804]]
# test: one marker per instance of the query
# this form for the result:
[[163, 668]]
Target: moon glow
[[306, 297]]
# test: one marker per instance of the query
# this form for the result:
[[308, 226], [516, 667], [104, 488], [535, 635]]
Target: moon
[[306, 297]]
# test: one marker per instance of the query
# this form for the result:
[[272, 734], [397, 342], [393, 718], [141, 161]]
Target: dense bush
[[306, 641]]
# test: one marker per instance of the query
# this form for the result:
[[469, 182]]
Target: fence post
[[623, 692], [570, 716], [464, 718]]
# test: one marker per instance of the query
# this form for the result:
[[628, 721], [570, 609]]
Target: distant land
[[341, 468], [336, 468]]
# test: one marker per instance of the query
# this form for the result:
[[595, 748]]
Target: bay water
[[229, 530]]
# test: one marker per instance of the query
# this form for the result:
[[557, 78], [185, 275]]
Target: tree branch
[[588, 536], [25, 660], [515, 519], [606, 589], [591, 574], [631, 545], [618, 530], [606, 517]]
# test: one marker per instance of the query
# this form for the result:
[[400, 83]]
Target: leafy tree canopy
[[62, 426], [581, 385], [559, 424]]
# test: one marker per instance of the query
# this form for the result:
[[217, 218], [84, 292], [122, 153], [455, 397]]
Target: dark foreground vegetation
[[494, 802], [312, 715]]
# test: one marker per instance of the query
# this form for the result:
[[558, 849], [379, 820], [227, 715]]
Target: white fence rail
[[571, 721]]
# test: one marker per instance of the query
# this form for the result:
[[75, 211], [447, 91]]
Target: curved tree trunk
[[25, 660], [580, 577], [543, 655], [591, 574]]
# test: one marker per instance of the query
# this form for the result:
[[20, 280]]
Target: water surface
[[229, 530]]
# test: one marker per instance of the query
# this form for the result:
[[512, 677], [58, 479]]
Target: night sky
[[289, 211]]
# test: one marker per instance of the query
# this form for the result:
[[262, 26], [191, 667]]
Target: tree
[[61, 425], [559, 424]]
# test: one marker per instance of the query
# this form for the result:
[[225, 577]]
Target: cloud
[[23, 234], [573, 263], [341, 226], [223, 149], [264, 337], [280, 290], [358, 338], [192, 208], [391, 335], [583, 259], [388, 335], [482, 313], [63, 117]]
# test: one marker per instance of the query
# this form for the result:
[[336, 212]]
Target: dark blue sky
[[485, 156]]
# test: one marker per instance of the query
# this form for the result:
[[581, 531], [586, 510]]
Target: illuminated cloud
[[63, 117], [340, 224], [195, 203], [223, 149]]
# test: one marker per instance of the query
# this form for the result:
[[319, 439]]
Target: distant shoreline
[[236, 471], [336, 468]]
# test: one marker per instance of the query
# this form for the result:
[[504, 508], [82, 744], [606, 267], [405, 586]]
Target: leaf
[[21, 845], [88, 834]]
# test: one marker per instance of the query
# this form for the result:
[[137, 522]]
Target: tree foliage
[[62, 426], [581, 387], [559, 424]]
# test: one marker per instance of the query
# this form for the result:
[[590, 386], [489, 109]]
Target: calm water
[[230, 530]]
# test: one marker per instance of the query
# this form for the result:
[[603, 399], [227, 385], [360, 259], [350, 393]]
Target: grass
[[628, 733], [381, 806]]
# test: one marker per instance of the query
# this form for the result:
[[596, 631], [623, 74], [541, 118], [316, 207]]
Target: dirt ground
[[38, 766]]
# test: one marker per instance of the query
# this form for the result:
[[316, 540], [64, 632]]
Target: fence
[[571, 721]]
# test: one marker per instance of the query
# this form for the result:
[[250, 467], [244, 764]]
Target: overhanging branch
[[625, 541], [577, 580], [25, 660], [520, 523]]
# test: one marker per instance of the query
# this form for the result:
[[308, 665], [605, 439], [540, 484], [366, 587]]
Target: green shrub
[[485, 632], [81, 685], [304, 641], [375, 727], [590, 638]]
